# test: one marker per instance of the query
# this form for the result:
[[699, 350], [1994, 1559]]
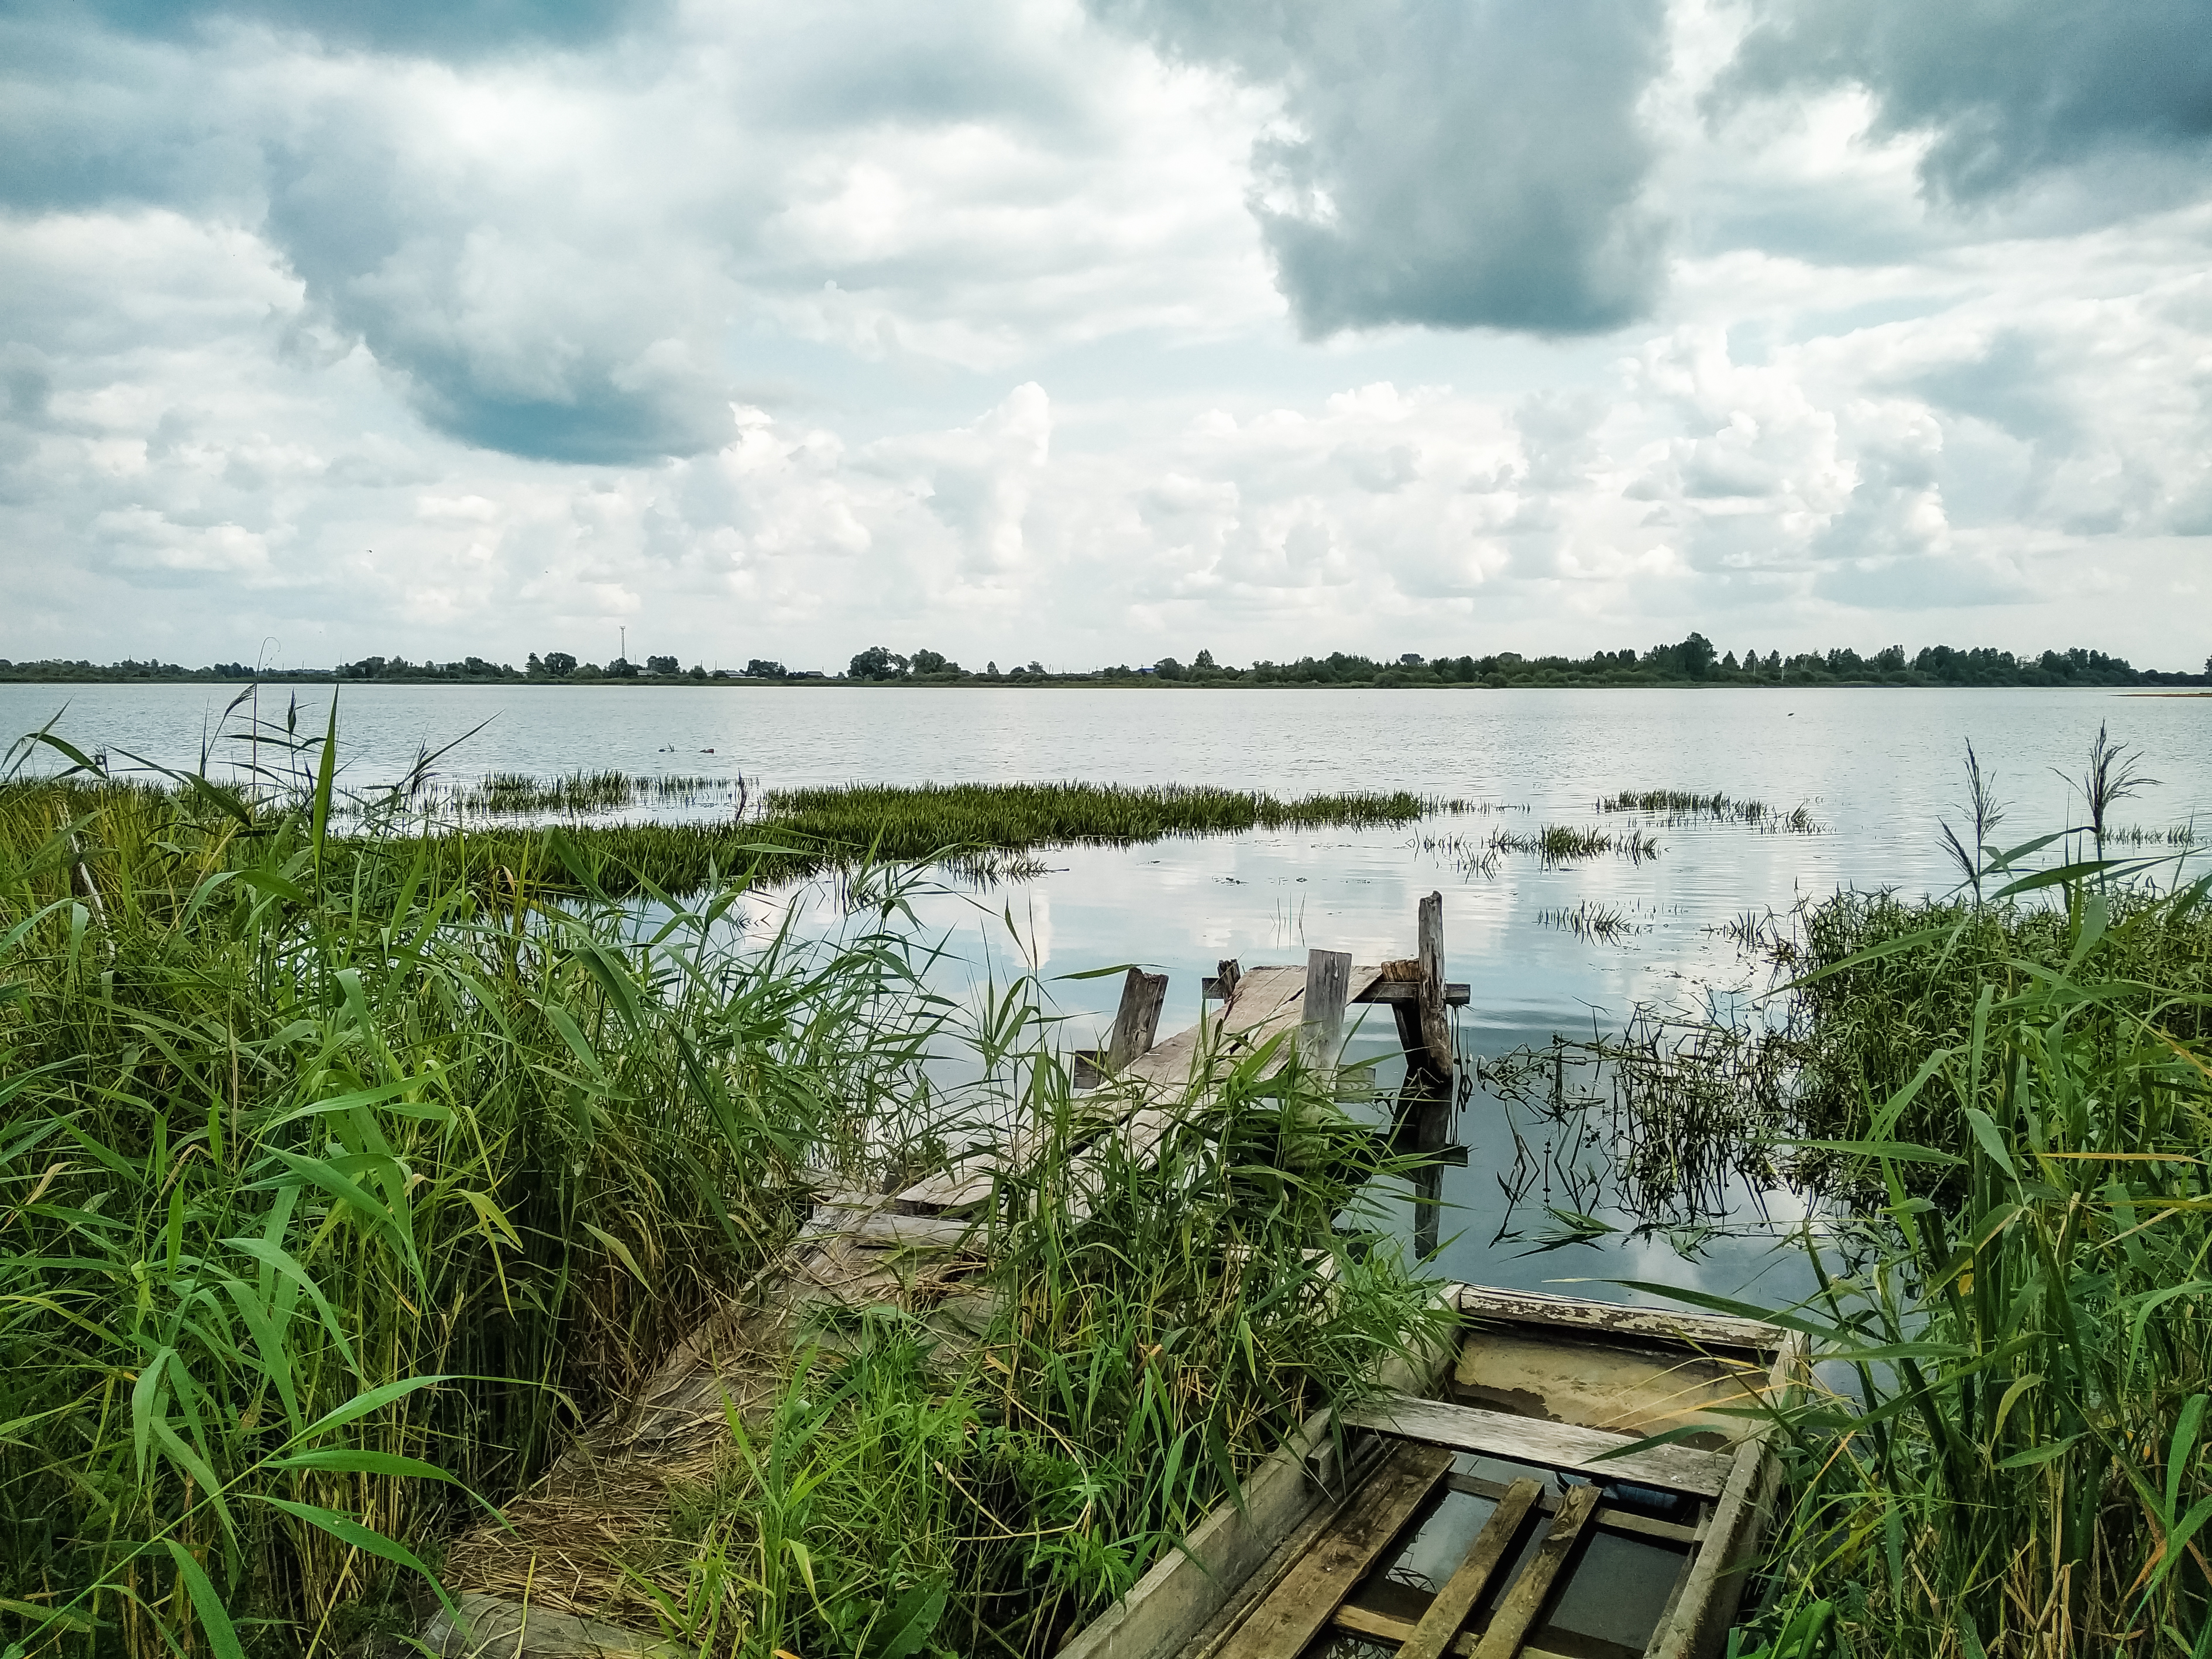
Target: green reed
[[1159, 1326], [332, 1191], [2018, 1463], [342, 1183]]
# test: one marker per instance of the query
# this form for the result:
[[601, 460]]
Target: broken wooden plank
[[1137, 1022], [1550, 1445], [1310, 1593], [883, 1230], [1456, 1600], [1388, 1629], [1711, 1591], [1406, 993], [1321, 1025], [1524, 1603], [1711, 1330], [1607, 1517]]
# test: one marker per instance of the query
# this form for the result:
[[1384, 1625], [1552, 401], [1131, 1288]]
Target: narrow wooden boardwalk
[[921, 1249]]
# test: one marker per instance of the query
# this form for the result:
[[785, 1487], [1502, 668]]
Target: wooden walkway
[[921, 1249]]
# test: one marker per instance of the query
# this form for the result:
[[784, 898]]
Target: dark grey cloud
[[2011, 88], [438, 28], [1479, 165]]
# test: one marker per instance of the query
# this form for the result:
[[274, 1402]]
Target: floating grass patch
[[517, 794], [915, 822], [1569, 843], [1685, 806]]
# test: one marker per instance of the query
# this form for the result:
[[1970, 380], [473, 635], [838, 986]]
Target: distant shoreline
[[1901, 681]]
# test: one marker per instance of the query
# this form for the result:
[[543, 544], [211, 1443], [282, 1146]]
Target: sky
[[1092, 331]]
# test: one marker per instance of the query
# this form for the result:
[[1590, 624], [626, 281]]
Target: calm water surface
[[1878, 769]]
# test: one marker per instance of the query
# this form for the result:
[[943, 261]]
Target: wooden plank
[[1321, 1025], [1366, 1453], [1608, 1518], [1311, 1592], [1456, 1600], [1387, 1628], [1524, 1603], [1709, 1593], [1663, 1324], [1137, 1022], [1187, 1586], [967, 1183], [1436, 1024], [1552, 1445], [882, 1229], [1406, 993]]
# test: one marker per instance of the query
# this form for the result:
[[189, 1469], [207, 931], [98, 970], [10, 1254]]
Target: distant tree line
[[1688, 662], [1692, 661]]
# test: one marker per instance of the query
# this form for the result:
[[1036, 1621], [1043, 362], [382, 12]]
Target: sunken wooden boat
[[1473, 1511]]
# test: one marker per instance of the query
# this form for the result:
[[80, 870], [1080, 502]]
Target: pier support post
[[1138, 1019], [1435, 1049], [1321, 1029]]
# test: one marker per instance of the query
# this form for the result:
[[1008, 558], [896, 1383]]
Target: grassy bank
[[2018, 1462], [338, 1190]]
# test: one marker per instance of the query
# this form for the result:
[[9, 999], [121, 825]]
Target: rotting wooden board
[[1550, 1445], [1267, 1002], [1300, 1608], [1389, 1630], [1632, 1388], [1523, 1605], [915, 1232], [1661, 1324], [1456, 1601], [1618, 1520]]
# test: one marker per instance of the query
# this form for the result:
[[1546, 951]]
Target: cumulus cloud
[[2005, 90], [1471, 165], [775, 331]]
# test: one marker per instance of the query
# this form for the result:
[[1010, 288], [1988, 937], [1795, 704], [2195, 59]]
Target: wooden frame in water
[[1483, 1509]]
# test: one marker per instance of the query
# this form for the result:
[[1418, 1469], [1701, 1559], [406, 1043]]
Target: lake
[[1877, 769]]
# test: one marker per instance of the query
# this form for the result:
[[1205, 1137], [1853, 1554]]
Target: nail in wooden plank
[[1456, 1600], [1321, 1029], [1516, 1615], [1138, 1020], [1310, 1593]]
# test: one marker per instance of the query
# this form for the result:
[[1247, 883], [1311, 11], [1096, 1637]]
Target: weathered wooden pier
[[1526, 1412]]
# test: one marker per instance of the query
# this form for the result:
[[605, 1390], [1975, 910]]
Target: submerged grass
[[518, 794], [1685, 806]]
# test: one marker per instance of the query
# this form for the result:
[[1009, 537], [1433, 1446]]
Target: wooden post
[[1321, 1029], [1138, 1020], [1225, 975], [1436, 1024]]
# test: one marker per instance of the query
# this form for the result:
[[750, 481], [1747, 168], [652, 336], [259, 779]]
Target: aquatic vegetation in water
[[1600, 923], [1682, 806], [517, 794]]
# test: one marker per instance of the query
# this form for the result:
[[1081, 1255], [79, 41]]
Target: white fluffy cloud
[[766, 331]]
